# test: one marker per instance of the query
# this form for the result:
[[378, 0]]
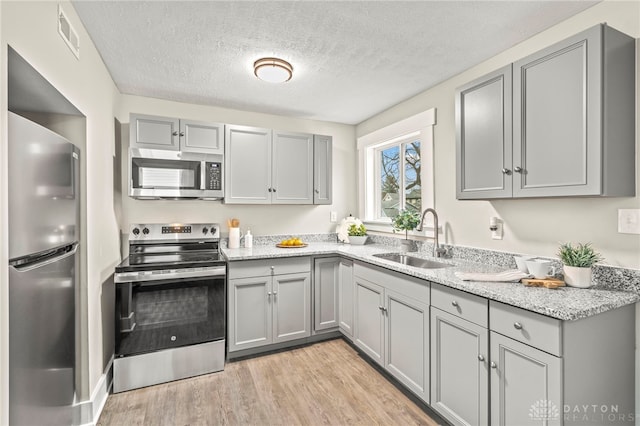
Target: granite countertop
[[565, 303]]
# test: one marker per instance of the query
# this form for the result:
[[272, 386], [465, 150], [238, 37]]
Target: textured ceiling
[[351, 59]]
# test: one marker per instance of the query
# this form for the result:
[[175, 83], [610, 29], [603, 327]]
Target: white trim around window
[[418, 126]]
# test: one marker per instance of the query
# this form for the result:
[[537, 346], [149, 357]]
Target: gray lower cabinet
[[326, 283], [459, 369], [546, 371], [346, 297], [567, 130], [269, 301], [391, 325], [166, 133], [322, 169], [526, 384]]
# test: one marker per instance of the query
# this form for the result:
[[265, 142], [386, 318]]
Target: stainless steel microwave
[[158, 174]]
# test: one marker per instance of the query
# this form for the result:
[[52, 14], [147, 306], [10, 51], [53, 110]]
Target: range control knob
[[205, 230], [213, 230], [136, 231], [145, 231]]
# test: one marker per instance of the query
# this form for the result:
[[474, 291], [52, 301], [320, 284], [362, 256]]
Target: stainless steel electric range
[[170, 305]]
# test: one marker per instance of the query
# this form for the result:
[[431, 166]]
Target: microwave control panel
[[214, 176]]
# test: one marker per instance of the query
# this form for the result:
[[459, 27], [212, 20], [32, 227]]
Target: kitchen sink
[[417, 262]]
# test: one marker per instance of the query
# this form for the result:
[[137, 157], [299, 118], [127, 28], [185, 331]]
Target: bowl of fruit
[[291, 243]]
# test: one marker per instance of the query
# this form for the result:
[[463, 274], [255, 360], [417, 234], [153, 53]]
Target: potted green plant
[[406, 220], [357, 234], [577, 262]]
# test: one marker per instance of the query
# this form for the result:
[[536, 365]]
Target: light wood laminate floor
[[326, 383]]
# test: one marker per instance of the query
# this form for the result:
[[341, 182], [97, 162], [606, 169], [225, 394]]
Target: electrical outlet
[[333, 217], [496, 228], [629, 221]]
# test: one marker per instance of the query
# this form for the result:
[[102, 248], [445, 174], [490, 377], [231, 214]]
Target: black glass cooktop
[[170, 256]]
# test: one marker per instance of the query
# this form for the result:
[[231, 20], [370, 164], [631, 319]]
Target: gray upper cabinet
[[268, 167], [247, 165], [292, 169], [322, 169], [154, 132], [573, 118], [198, 136], [483, 137]]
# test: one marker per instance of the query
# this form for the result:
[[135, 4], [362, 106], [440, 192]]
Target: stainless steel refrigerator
[[43, 273]]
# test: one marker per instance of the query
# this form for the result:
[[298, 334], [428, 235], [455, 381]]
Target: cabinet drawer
[[409, 286], [262, 267], [464, 305], [527, 327]]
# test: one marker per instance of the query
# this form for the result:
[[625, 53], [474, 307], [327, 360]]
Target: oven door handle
[[133, 277]]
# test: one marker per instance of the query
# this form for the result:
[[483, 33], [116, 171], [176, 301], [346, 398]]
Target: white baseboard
[[89, 411]]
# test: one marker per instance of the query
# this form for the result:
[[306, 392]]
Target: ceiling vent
[[68, 34]]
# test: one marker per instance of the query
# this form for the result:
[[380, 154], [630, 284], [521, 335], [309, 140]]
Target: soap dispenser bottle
[[248, 239]]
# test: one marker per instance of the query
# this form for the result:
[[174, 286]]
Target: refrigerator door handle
[[47, 261]]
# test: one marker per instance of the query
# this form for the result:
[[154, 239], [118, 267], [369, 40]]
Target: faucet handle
[[441, 252]]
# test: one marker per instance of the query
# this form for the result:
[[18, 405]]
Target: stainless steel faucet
[[437, 250]]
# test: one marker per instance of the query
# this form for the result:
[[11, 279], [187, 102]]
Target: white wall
[[31, 29], [531, 226], [262, 219]]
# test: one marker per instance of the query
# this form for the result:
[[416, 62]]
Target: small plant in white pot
[[577, 262], [406, 220], [357, 234]]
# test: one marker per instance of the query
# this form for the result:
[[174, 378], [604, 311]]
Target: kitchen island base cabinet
[[269, 302], [459, 369], [391, 325]]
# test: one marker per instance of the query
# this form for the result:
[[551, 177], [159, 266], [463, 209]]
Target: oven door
[[164, 314]]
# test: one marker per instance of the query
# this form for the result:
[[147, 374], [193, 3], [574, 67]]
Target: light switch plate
[[629, 221]]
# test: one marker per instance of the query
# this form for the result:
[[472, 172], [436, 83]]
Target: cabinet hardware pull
[[517, 326], [506, 171], [269, 295], [493, 365], [454, 303], [274, 190], [380, 307], [481, 357], [269, 189], [518, 169], [175, 133], [317, 191], [181, 134]]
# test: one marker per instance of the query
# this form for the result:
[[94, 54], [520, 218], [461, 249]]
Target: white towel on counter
[[512, 275]]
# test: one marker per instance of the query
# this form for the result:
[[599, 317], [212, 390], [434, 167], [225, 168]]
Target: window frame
[[419, 126]]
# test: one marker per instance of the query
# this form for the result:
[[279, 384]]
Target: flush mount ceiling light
[[273, 70]]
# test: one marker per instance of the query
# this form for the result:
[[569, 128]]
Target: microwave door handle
[[203, 175]]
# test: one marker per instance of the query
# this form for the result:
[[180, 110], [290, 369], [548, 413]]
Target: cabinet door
[[556, 107], [292, 172], [407, 342], [483, 137], [345, 299], [322, 169], [247, 165], [325, 289], [197, 136], [459, 369], [151, 132], [291, 307], [249, 313], [526, 384], [369, 319]]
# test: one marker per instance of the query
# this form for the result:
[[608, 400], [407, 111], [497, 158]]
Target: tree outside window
[[399, 178]]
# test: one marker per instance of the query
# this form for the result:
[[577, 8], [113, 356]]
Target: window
[[398, 178], [396, 170]]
